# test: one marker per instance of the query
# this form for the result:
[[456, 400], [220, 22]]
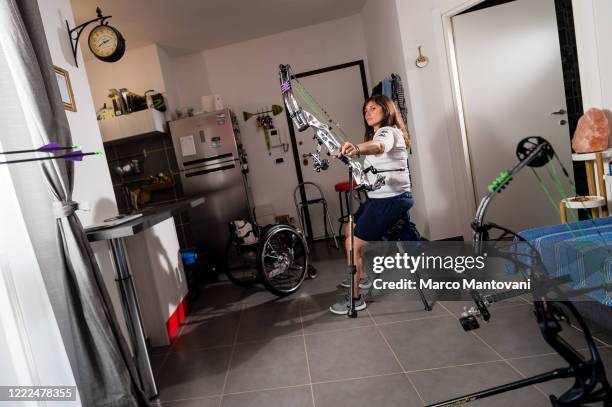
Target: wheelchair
[[275, 255]]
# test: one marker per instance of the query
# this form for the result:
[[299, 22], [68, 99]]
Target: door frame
[[296, 159], [466, 194]]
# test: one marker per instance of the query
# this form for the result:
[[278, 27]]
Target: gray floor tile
[[513, 332], [382, 391], [218, 298], [214, 330], [330, 273], [436, 342], [536, 365], [270, 321], [442, 384], [157, 362], [159, 350], [290, 397], [400, 306], [316, 316], [457, 307], [193, 374], [201, 402], [347, 354], [258, 295], [263, 365]]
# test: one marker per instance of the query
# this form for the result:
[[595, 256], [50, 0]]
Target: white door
[[340, 93], [509, 65]]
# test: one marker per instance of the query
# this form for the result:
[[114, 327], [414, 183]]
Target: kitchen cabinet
[[133, 124]]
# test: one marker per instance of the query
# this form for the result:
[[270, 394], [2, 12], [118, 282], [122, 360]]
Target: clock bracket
[[75, 33]]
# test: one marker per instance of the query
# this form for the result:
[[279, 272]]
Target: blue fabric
[[387, 87], [582, 250], [375, 217]]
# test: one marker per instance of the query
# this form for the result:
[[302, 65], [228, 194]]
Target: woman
[[386, 147]]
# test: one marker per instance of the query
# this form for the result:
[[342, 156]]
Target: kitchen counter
[[150, 217], [156, 271]]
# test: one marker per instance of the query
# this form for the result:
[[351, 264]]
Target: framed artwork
[[63, 80]]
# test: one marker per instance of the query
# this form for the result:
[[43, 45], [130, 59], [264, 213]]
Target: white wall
[[593, 32], [246, 75], [386, 56], [438, 145], [166, 66], [139, 70], [92, 178], [189, 92], [441, 152]]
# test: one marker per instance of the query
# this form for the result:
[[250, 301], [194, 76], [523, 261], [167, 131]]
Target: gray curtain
[[100, 359]]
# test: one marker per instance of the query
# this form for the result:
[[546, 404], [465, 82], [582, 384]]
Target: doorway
[[341, 90], [512, 81]]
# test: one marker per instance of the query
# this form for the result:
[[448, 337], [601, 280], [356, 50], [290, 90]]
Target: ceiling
[[185, 26]]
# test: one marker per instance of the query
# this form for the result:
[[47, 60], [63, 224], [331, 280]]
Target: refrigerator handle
[[203, 172]]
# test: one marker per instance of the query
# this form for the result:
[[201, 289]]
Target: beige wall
[[189, 91], [386, 56], [139, 70], [448, 194], [593, 32], [246, 75]]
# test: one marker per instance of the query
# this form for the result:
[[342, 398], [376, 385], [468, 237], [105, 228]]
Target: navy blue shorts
[[375, 217]]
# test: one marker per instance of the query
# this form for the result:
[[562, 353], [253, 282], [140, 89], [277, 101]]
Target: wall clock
[[106, 43]]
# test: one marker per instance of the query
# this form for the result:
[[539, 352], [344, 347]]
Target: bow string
[[328, 133]]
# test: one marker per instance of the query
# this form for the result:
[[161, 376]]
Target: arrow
[[46, 148], [72, 156]]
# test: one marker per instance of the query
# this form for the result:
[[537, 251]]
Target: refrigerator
[[211, 164]]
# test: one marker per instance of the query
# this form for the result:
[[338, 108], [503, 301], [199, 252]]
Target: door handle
[[560, 112]]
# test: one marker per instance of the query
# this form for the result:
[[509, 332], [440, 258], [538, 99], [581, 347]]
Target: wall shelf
[[133, 124]]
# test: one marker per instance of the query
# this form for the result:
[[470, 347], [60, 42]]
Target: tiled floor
[[244, 347]]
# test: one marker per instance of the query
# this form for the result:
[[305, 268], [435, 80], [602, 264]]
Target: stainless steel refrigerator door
[[226, 200], [207, 179], [201, 137]]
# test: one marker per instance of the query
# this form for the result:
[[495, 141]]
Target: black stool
[[300, 207], [342, 188]]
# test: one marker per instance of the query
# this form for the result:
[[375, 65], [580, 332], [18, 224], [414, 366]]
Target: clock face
[[103, 41]]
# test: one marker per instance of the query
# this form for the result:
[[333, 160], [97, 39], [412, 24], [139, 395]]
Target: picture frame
[[63, 81]]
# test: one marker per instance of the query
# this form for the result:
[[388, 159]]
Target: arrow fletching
[[74, 156], [49, 147]]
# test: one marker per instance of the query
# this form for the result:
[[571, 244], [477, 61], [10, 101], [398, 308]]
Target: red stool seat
[[344, 186], [343, 189]]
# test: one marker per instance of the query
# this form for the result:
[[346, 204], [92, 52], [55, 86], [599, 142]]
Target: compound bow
[[326, 135], [591, 384]]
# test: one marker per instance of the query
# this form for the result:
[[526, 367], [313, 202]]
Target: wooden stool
[[597, 184]]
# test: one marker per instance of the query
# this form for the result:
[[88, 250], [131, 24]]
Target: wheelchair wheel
[[282, 259], [241, 263]]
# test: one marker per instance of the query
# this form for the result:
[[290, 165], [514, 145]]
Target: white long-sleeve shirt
[[395, 156]]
